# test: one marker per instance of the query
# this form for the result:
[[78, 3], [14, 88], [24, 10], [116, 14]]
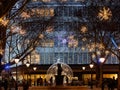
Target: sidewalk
[[94, 88]]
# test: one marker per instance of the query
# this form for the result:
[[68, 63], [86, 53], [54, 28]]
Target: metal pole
[[101, 77], [16, 88], [27, 76], [34, 80], [91, 80], [118, 86]]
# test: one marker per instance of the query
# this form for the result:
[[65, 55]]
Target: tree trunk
[[119, 76], [2, 42], [2, 38], [97, 74]]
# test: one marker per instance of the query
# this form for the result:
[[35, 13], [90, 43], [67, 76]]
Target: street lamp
[[91, 66], [16, 61], [27, 64], [101, 60], [83, 68], [34, 68]]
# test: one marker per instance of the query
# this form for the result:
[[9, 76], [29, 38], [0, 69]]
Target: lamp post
[[83, 68], [34, 68], [91, 66], [27, 65], [16, 61], [101, 60]]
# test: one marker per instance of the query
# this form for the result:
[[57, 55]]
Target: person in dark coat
[[5, 83], [25, 85], [12, 83], [110, 85]]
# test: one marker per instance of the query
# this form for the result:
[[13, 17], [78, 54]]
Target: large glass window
[[42, 12]]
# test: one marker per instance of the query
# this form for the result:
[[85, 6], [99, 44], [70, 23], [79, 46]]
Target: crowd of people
[[11, 84], [41, 82], [110, 83]]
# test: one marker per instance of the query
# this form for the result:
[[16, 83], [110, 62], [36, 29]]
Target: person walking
[[5, 83], [12, 83], [25, 85]]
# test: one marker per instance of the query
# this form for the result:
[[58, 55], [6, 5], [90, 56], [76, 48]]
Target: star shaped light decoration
[[105, 13], [49, 29], [4, 21], [25, 15], [83, 29], [72, 42]]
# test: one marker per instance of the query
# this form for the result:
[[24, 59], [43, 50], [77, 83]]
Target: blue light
[[7, 67]]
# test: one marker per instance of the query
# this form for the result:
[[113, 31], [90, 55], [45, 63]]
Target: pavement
[[95, 88]]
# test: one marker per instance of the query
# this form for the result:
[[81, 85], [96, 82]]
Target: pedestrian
[[25, 85], [12, 83], [66, 80], [5, 83], [45, 82], [51, 80]]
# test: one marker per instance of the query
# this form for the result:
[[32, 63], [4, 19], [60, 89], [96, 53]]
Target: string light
[[105, 13]]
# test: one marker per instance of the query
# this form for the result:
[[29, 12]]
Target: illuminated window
[[63, 0], [51, 12], [48, 43], [46, 0], [79, 0], [49, 29], [72, 42], [43, 12], [34, 0]]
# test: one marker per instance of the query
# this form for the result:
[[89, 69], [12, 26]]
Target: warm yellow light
[[27, 64], [17, 60], [101, 46], [84, 39], [34, 0], [79, 0], [71, 37], [98, 53], [91, 65], [105, 13], [4, 21], [93, 56], [34, 68], [83, 68], [1, 51], [25, 15], [46, 0], [49, 29], [119, 47], [102, 59], [83, 48], [107, 52], [41, 36], [42, 12], [84, 29], [22, 32]]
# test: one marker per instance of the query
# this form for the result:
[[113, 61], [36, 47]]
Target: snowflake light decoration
[[84, 29], [4, 21], [105, 14], [25, 15]]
